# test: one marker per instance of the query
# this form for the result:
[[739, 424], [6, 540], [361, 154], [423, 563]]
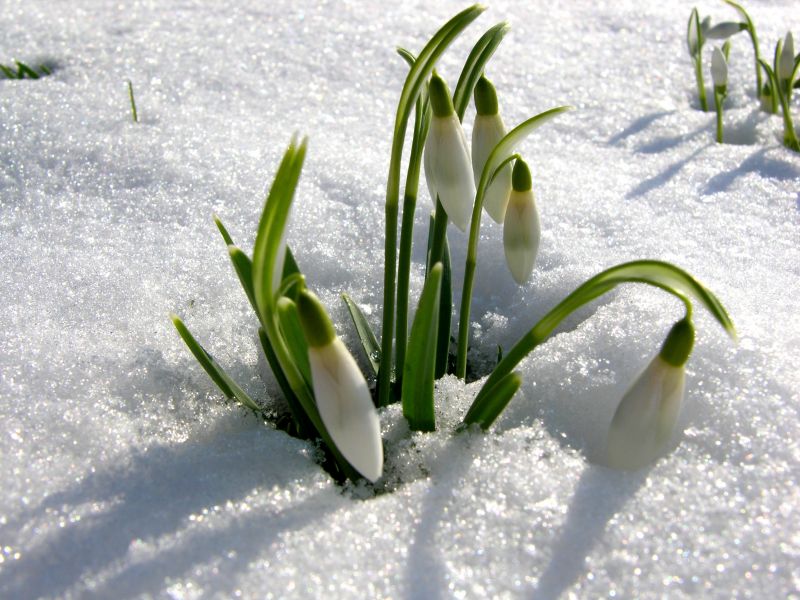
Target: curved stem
[[698, 73]]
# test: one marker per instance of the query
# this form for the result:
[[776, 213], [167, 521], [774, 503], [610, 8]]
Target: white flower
[[487, 131], [719, 69], [447, 163], [646, 416], [786, 61], [521, 227], [341, 392]]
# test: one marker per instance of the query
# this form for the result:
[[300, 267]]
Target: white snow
[[124, 474]]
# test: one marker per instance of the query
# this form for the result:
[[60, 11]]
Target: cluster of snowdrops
[[328, 397], [774, 83]]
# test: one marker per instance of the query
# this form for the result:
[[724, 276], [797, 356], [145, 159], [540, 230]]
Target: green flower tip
[[485, 97], [439, 94], [521, 176], [317, 325], [678, 345]]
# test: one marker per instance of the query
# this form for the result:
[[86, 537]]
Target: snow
[[124, 474]]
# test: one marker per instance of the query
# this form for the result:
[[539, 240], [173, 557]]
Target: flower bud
[[340, 390], [447, 162], [786, 61], [646, 416], [521, 228], [719, 70], [487, 131]]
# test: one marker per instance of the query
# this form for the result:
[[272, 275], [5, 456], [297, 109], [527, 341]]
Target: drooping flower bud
[[447, 162], [521, 227], [719, 70], [486, 132], [340, 390], [786, 61], [646, 416]]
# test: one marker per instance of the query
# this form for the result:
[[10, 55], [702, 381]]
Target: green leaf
[[225, 235], [25, 71], [500, 395], [217, 374], [368, 340], [289, 322], [303, 425], [474, 65], [269, 238], [9, 73], [445, 314], [420, 364], [663, 275], [291, 271], [244, 271]]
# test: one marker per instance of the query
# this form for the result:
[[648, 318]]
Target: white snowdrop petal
[[521, 235], [719, 68], [645, 418], [449, 170], [346, 407], [486, 133], [786, 62]]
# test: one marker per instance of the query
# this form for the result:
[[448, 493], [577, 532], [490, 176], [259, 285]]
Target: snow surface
[[125, 475]]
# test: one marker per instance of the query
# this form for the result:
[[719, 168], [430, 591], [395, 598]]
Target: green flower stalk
[[783, 78], [521, 228], [487, 131], [340, 390], [695, 38], [646, 416], [719, 75], [448, 168], [762, 91]]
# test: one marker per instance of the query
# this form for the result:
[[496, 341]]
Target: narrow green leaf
[[225, 235], [269, 238], [303, 425], [26, 71], [474, 66], [499, 397], [445, 314], [134, 113], [217, 374], [663, 275], [420, 364], [289, 322], [9, 73], [368, 340], [244, 271]]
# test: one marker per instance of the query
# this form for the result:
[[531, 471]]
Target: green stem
[[698, 72], [439, 235], [789, 135], [406, 230], [718, 105]]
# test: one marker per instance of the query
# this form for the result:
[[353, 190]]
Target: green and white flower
[[341, 392], [488, 130], [448, 169], [521, 227], [645, 418]]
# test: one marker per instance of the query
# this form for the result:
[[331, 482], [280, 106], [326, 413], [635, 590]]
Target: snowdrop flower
[[645, 418], [719, 70], [786, 61], [447, 163], [341, 392], [521, 228], [487, 131]]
